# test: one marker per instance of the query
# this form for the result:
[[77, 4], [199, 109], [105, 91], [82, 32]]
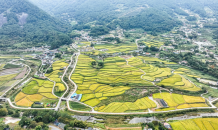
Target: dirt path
[[124, 128], [11, 120]]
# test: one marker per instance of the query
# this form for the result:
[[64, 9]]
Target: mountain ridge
[[21, 21]]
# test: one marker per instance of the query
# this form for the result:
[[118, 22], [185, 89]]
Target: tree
[[72, 123], [57, 55], [38, 127], [16, 114], [45, 119], [92, 45], [24, 121], [93, 63], [134, 54], [145, 49], [33, 124], [100, 30], [117, 39], [101, 64], [10, 112], [3, 112]]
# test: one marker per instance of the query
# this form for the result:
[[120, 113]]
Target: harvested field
[[9, 71], [22, 74], [10, 83], [126, 56]]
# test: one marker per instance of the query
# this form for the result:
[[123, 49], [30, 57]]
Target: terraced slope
[[113, 79], [196, 124], [179, 82]]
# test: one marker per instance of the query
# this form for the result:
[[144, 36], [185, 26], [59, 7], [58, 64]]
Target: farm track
[[211, 102], [152, 82], [94, 112], [75, 86]]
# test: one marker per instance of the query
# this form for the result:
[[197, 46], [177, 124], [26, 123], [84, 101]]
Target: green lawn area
[[10, 66], [2, 119], [78, 106]]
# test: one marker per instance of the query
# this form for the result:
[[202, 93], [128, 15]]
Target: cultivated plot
[[171, 101], [196, 124]]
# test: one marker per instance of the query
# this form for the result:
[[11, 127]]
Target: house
[[168, 126], [147, 54], [184, 62]]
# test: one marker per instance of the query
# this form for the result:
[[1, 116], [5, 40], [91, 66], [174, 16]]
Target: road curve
[[62, 79], [95, 112], [75, 86]]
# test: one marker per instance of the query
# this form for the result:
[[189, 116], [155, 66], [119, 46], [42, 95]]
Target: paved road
[[94, 112], [62, 78], [75, 86]]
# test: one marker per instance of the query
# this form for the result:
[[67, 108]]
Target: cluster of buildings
[[47, 57]]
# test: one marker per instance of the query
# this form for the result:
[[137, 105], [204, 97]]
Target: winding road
[[92, 111]]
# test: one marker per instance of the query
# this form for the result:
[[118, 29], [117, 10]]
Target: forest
[[37, 27], [27, 25], [85, 11], [150, 20]]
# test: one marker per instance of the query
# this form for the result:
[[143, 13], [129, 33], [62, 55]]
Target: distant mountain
[[122, 12], [22, 25]]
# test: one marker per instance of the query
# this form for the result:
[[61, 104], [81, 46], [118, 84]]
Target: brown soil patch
[[22, 74], [126, 57]]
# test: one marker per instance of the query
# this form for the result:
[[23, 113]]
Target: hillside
[[22, 25], [122, 12]]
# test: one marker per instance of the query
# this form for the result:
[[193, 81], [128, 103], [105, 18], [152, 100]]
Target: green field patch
[[30, 89], [79, 107]]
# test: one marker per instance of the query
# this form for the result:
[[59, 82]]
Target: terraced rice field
[[117, 107], [187, 72], [154, 44], [9, 57], [151, 71], [196, 124], [2, 66], [113, 79], [35, 91], [119, 75], [116, 48], [179, 82], [177, 101], [58, 69], [154, 60]]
